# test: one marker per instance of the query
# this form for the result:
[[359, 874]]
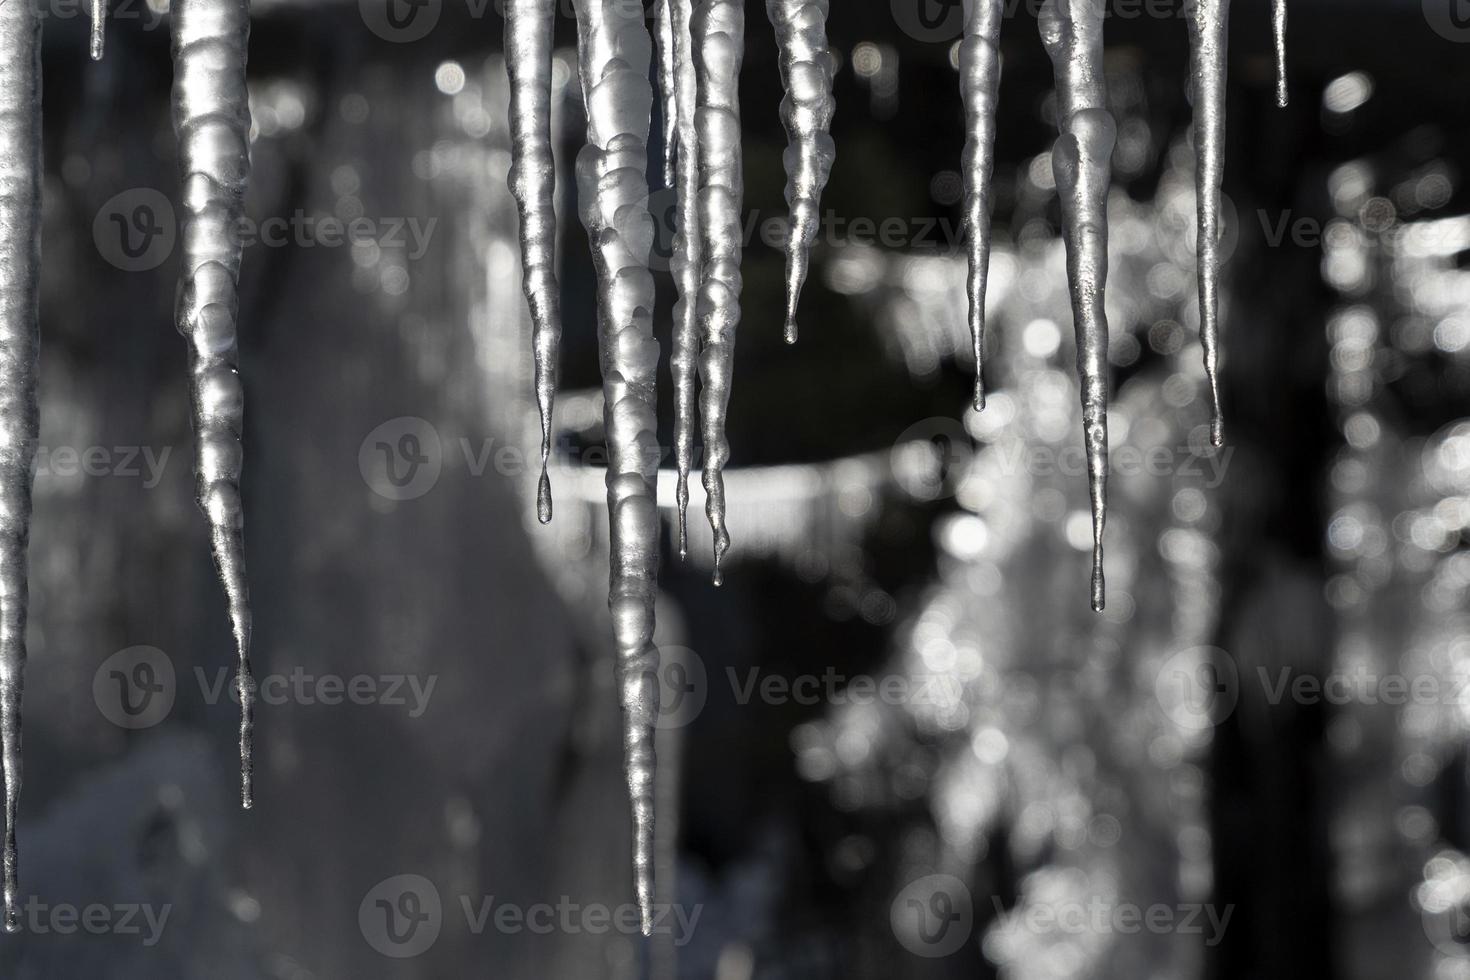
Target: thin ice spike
[[979, 88], [532, 179], [99, 27], [667, 86], [687, 262], [211, 112], [1071, 30], [719, 33], [612, 179], [806, 73], [20, 301], [1278, 35], [1208, 42]]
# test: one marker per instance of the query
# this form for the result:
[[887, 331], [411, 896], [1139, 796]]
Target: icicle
[[979, 85], [1278, 32], [719, 32], [212, 120], [667, 86], [806, 73], [1071, 30], [533, 182], [99, 27], [1208, 37], [20, 300], [612, 180], [687, 260]]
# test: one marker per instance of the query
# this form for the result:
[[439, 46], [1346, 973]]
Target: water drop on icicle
[[1278, 34], [1071, 30], [529, 26], [979, 86], [667, 87], [1209, 22], [212, 121], [612, 179], [719, 32], [807, 110], [688, 258], [20, 301]]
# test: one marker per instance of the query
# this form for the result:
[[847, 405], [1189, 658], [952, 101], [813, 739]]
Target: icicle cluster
[[533, 182], [20, 301], [979, 87], [806, 73], [612, 180], [1208, 43], [1081, 159], [719, 31], [212, 121]]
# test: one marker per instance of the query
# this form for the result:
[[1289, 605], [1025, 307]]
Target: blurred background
[[896, 743]]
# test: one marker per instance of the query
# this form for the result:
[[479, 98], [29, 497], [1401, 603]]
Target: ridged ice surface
[[806, 73], [979, 88], [212, 122], [529, 26], [1071, 30], [688, 260], [1278, 35], [612, 180], [1209, 22], [20, 301], [719, 33]]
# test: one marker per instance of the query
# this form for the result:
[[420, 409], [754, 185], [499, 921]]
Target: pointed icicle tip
[[979, 400], [1099, 587], [543, 498], [12, 917]]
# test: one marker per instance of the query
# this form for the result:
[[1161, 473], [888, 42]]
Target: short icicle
[[806, 72], [529, 26], [1071, 30], [979, 87], [612, 179], [99, 27], [20, 305], [719, 32], [1208, 39], [687, 262], [1278, 34], [212, 122]]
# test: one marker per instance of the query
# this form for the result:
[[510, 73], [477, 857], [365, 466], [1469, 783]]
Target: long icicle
[[1209, 22], [979, 87], [212, 121], [1278, 35], [687, 261], [719, 32], [1071, 30], [20, 303], [667, 86], [612, 180], [807, 110], [529, 26]]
